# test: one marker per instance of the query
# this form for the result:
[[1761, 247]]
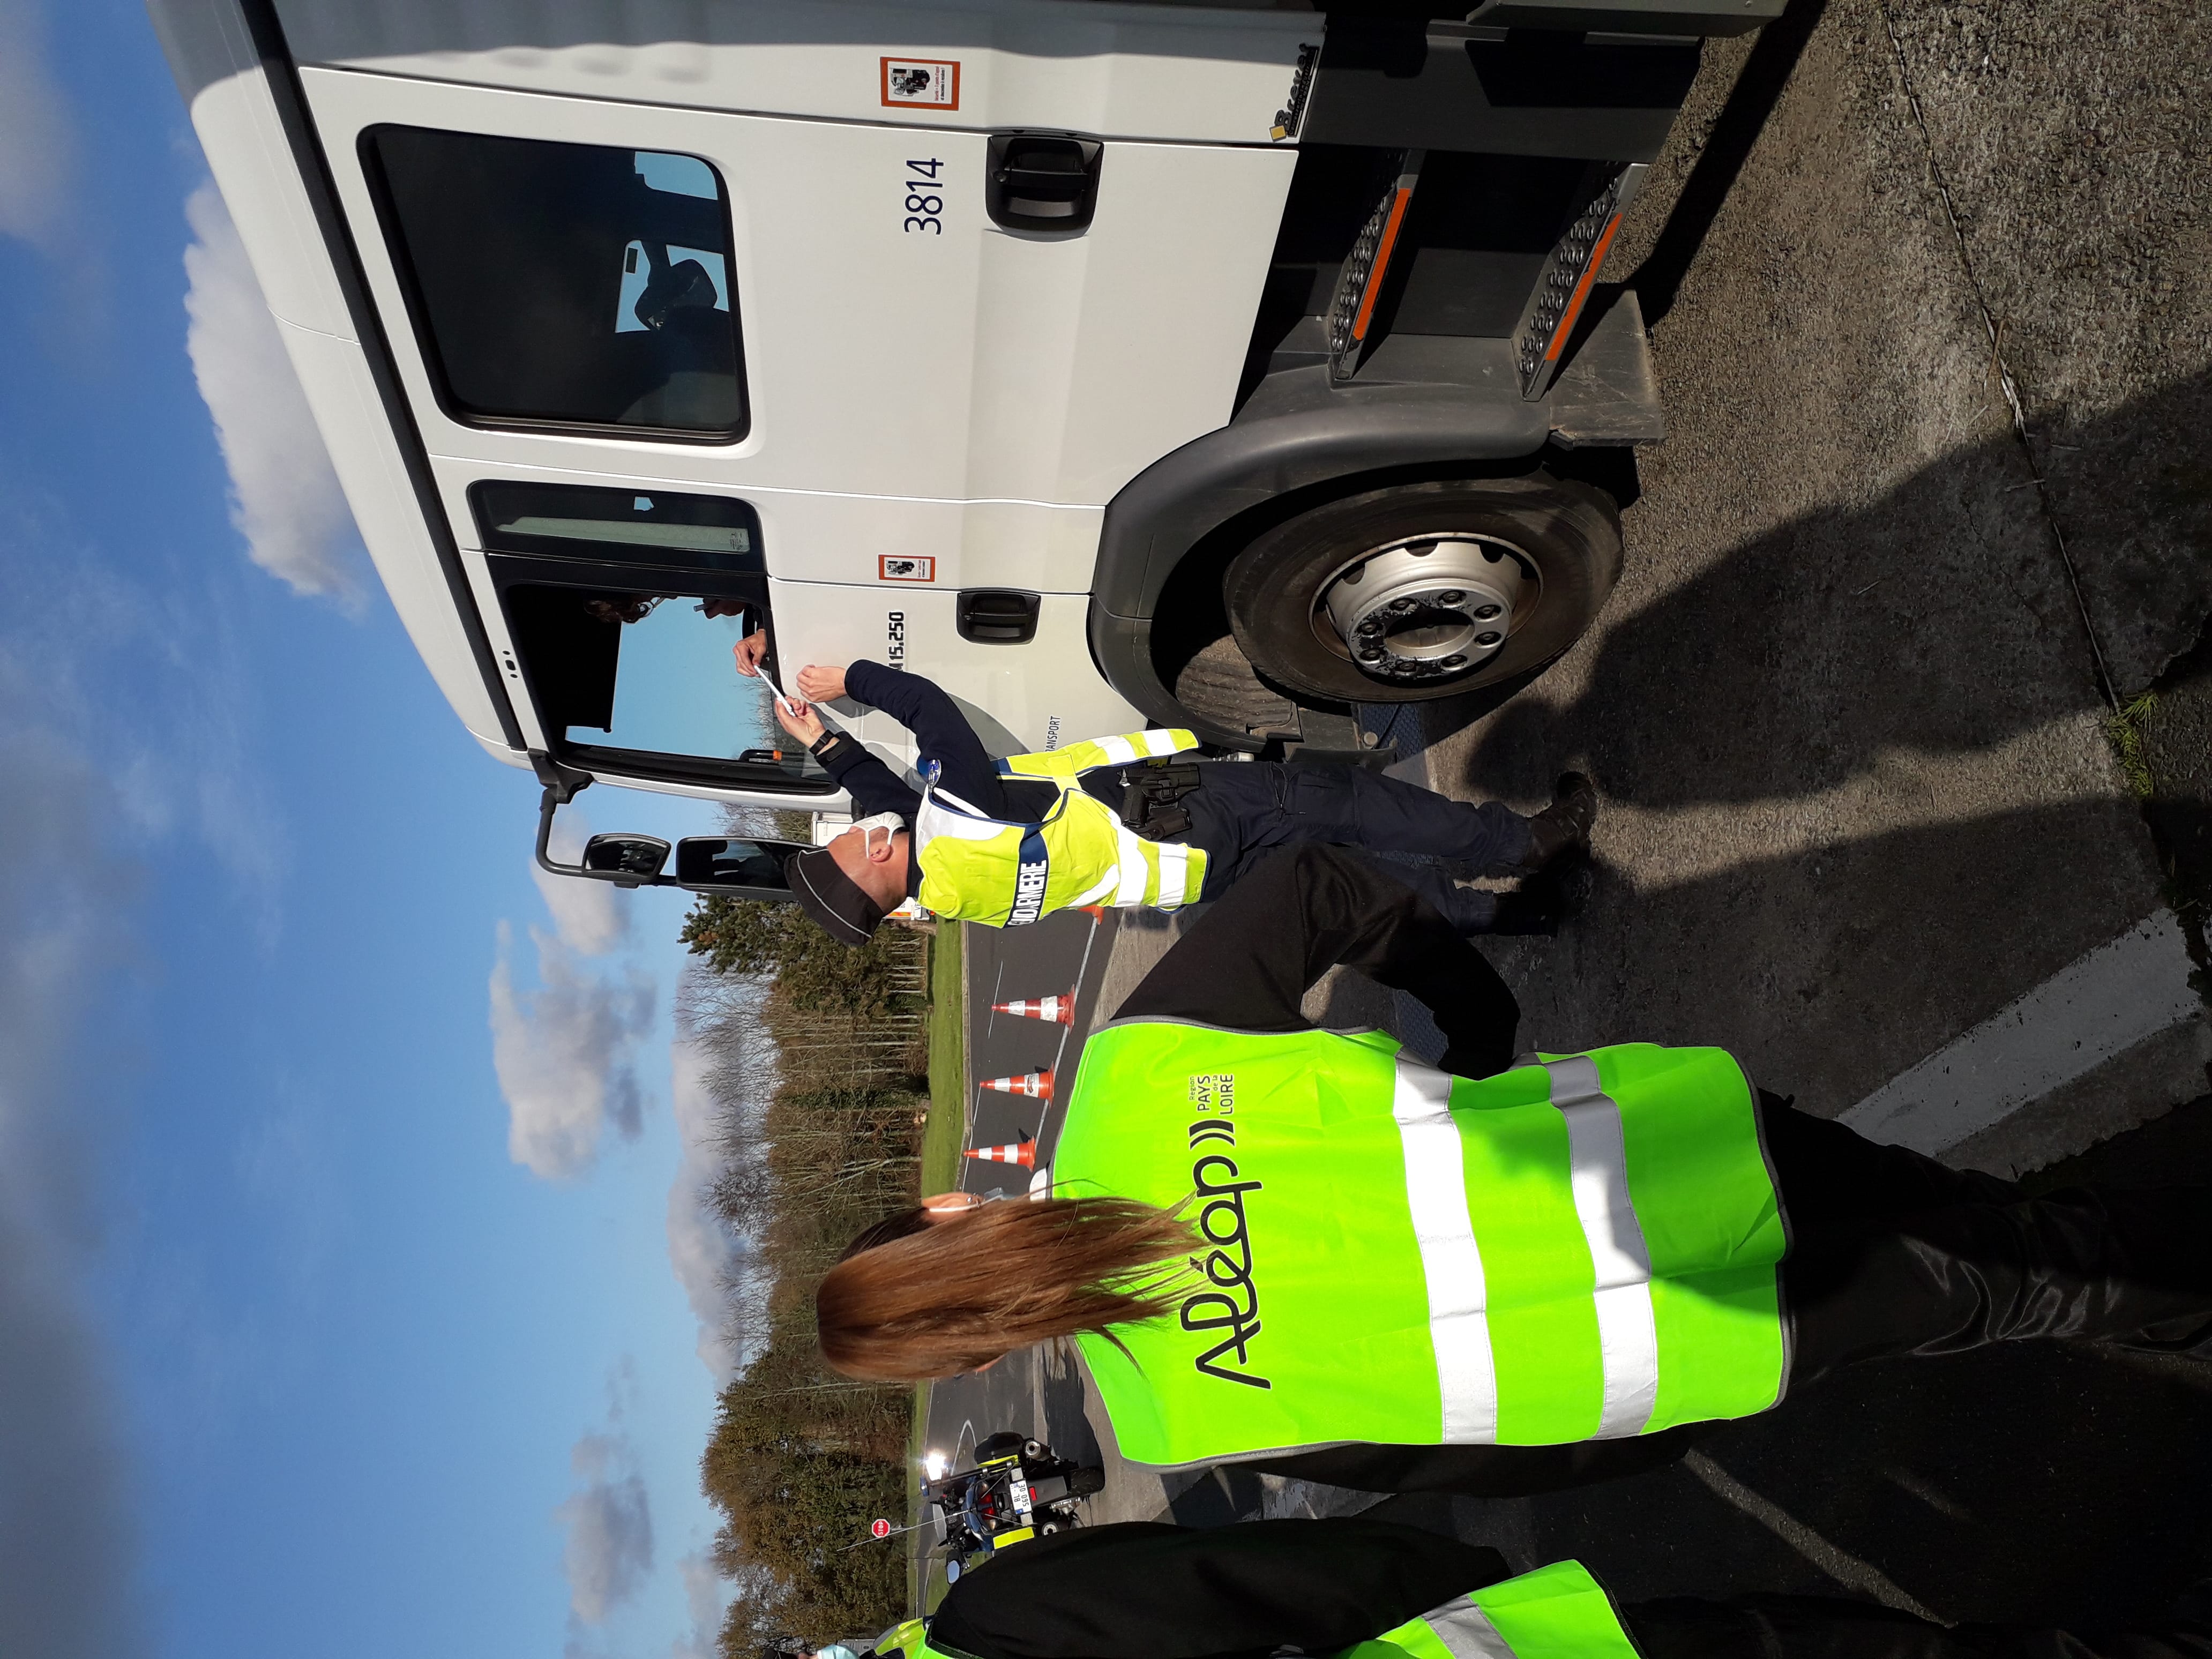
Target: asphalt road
[[1929, 288], [1025, 964]]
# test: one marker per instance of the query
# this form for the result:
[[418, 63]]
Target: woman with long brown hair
[[1305, 1250]]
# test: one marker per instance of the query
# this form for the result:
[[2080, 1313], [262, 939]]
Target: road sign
[[879, 1528]]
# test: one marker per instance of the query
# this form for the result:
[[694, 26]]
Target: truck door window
[[571, 285], [642, 681]]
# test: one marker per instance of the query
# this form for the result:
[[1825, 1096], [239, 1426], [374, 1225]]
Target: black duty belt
[[1152, 797]]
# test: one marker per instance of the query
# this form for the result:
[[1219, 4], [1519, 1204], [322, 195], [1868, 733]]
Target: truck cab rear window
[[571, 285]]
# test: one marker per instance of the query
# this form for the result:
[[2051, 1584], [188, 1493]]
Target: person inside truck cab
[[1120, 821]]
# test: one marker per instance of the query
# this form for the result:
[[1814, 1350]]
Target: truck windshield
[[565, 284]]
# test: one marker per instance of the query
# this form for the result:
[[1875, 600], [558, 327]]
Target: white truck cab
[[1111, 364]]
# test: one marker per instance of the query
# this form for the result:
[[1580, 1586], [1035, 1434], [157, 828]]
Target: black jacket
[[942, 734], [1143, 1591]]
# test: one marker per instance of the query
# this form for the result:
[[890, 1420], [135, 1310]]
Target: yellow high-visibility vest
[[1005, 874]]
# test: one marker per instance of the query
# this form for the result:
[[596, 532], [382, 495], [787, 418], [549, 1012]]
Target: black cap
[[833, 898]]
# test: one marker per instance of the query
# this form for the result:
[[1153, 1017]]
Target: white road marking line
[[1839, 1565], [2100, 1005]]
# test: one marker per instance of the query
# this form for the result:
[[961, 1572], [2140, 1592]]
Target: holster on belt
[[1150, 798]]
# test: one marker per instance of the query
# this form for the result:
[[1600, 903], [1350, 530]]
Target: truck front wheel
[[1425, 590]]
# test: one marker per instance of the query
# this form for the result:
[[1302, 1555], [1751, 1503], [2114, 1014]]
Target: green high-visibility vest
[[1582, 1248], [1004, 874], [910, 1637], [1557, 1612]]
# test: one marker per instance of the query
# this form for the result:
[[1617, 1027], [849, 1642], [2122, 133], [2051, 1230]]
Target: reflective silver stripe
[[1174, 873], [1119, 751], [1159, 742], [934, 818], [1435, 1194], [1100, 892], [1466, 1631], [1628, 1336], [1135, 872]]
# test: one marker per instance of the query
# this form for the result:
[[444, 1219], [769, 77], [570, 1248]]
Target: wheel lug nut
[[1484, 612], [1451, 596], [1455, 660], [1370, 653], [1488, 636]]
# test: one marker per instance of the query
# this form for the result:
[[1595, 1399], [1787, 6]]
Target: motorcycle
[[1018, 1489]]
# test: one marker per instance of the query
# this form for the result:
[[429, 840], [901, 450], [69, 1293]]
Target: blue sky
[[349, 1288]]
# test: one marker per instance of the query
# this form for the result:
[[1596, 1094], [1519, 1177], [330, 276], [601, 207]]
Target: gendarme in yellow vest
[[1583, 1249], [1005, 874], [1557, 1612]]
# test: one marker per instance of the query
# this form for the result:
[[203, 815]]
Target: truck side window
[[648, 674], [565, 284]]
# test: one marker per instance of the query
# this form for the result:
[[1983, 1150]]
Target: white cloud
[[284, 498], [700, 1246], [609, 1550], [38, 139], [705, 1593], [592, 917], [563, 1056]]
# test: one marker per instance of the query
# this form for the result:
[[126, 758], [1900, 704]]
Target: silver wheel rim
[[1426, 608]]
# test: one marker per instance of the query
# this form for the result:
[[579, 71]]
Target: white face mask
[[888, 823]]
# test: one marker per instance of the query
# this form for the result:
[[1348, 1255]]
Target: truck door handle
[[1042, 180], [997, 615]]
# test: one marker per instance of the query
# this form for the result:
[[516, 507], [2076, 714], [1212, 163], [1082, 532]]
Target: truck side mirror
[[626, 861], [748, 868], [722, 864]]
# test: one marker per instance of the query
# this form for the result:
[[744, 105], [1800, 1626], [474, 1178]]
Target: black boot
[[1565, 823]]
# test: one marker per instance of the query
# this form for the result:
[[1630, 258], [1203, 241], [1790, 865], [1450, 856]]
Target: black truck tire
[[1566, 535]]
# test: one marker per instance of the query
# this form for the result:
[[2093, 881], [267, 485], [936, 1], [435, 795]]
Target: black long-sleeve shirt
[[1143, 1590], [941, 734], [1246, 965]]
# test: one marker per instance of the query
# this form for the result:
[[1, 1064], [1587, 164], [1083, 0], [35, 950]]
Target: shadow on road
[[1728, 146], [1804, 655]]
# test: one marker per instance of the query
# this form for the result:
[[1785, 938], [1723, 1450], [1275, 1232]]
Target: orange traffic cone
[[1037, 1086], [1023, 1152], [1060, 1010]]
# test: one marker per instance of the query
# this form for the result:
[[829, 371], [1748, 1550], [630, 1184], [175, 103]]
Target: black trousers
[[1892, 1255], [1817, 1627], [1243, 809]]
